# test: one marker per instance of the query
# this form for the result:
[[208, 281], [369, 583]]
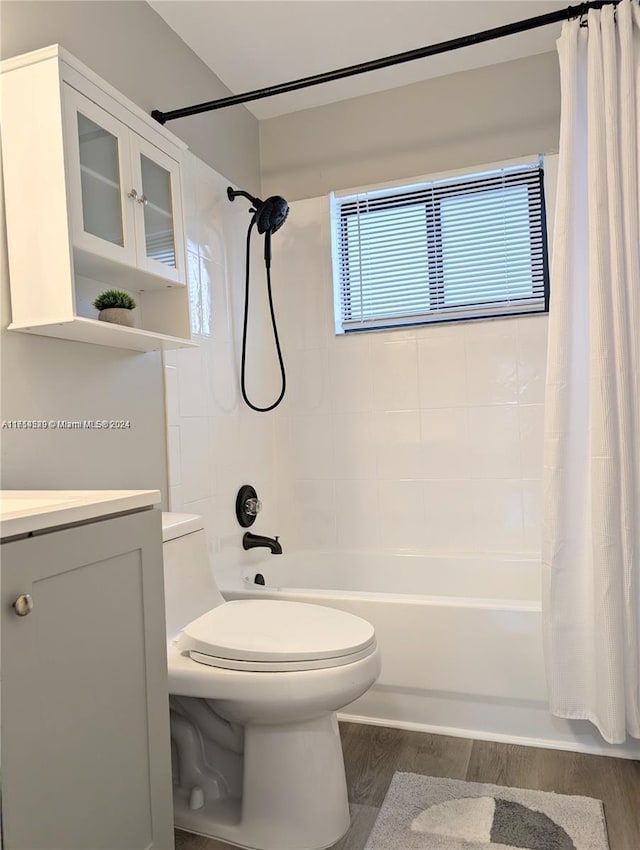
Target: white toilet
[[254, 686]]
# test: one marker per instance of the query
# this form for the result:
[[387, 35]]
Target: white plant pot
[[117, 316]]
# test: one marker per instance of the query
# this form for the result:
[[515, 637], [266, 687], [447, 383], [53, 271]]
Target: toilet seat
[[276, 636]]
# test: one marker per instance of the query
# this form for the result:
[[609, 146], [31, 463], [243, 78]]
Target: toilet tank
[[189, 586]]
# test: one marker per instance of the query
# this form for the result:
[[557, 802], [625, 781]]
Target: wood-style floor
[[373, 753]]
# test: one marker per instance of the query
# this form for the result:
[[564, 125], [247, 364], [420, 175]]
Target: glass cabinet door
[[100, 178], [160, 238], [158, 212]]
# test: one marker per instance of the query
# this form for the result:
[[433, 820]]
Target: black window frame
[[345, 293]]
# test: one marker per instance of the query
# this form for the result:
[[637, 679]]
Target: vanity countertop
[[24, 511]]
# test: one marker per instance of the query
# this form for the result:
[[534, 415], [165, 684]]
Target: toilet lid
[[268, 634]]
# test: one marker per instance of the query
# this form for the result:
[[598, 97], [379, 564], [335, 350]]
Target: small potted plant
[[115, 306]]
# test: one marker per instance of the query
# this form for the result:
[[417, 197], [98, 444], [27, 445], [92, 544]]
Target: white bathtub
[[460, 639]]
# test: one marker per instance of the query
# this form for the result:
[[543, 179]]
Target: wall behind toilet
[[131, 47]]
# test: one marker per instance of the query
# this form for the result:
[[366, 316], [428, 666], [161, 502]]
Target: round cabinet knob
[[133, 195], [23, 605], [142, 199]]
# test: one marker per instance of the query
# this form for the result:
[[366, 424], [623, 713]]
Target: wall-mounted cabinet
[[93, 194]]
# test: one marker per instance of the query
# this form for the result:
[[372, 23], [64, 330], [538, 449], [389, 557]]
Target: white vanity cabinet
[[93, 195], [85, 716]]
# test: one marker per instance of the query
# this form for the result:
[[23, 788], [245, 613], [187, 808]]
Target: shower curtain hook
[[584, 15]]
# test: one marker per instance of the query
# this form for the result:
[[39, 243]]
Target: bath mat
[[429, 813]]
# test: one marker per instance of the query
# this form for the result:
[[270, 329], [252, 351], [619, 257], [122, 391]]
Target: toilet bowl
[[254, 688]]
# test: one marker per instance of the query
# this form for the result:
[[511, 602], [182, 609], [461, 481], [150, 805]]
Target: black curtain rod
[[385, 61]]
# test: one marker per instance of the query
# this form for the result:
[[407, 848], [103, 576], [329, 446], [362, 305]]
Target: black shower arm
[[232, 194]]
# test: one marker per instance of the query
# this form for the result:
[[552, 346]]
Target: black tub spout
[[253, 541]]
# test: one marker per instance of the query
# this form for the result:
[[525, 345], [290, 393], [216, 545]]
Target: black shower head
[[269, 215]]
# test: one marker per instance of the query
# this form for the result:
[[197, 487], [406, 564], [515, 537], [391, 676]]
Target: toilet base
[[298, 802]]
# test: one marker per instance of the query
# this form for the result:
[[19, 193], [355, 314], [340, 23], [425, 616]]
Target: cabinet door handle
[[23, 605], [141, 199]]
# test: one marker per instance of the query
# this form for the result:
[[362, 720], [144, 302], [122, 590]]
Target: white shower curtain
[[591, 546]]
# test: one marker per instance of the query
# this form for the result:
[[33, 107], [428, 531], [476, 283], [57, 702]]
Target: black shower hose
[[244, 332]]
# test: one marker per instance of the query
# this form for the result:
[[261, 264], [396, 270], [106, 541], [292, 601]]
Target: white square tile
[[171, 395], [195, 460], [351, 373], [207, 510], [491, 362], [193, 385], [444, 443], [225, 448], [255, 446], [355, 445], [494, 441], [313, 446], [442, 372], [284, 460], [173, 447], [212, 206], [308, 388], [495, 520], [316, 316], [532, 358], [357, 514], [223, 378], [448, 516], [395, 376], [301, 271], [270, 517], [311, 505], [402, 519], [399, 445], [531, 439]]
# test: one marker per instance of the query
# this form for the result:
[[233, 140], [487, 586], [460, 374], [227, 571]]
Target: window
[[466, 247]]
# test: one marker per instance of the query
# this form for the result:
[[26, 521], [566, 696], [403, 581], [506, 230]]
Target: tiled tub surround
[[427, 438], [422, 439], [215, 443]]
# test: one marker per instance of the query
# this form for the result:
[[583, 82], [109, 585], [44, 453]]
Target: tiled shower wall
[[215, 444], [427, 438]]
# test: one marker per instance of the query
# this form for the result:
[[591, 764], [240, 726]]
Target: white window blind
[[466, 247]]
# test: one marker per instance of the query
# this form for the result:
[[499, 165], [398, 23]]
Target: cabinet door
[[159, 223], [100, 181], [85, 720]]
